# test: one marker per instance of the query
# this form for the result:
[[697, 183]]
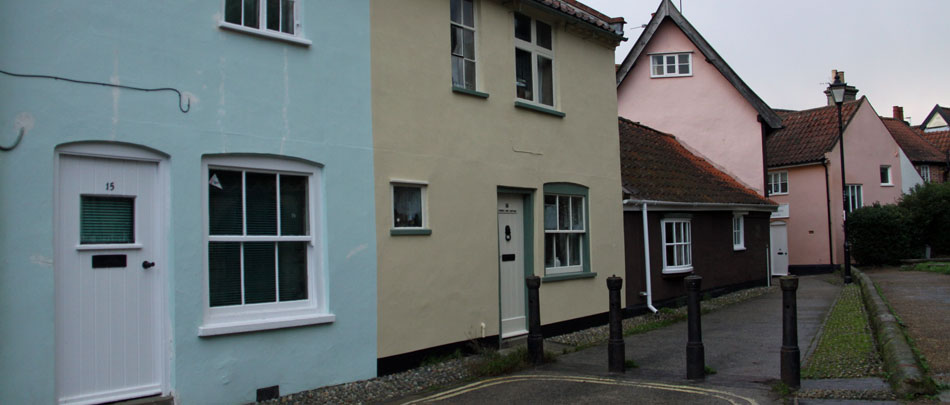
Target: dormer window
[[671, 64]]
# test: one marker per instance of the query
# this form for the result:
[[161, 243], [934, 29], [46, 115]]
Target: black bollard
[[791, 358], [615, 345], [535, 338], [695, 354]]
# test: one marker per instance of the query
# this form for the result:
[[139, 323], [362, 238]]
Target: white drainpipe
[[646, 255]]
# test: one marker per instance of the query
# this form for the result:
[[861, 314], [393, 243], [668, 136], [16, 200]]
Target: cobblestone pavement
[[922, 301]]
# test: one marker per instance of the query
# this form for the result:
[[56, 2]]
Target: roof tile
[[807, 135], [912, 143], [940, 139], [655, 166], [585, 13]]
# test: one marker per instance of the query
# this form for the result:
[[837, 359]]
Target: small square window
[[778, 183], [106, 220], [408, 206], [886, 176]]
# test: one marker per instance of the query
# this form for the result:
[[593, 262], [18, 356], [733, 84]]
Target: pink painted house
[[674, 81], [804, 176]]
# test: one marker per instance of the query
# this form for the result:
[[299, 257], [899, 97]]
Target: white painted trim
[[684, 268], [277, 322], [111, 246], [280, 36], [770, 183], [741, 217]]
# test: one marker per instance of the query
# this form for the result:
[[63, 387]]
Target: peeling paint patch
[[41, 260], [356, 250], [190, 97], [25, 121]]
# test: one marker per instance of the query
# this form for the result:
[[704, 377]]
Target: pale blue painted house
[[208, 240]]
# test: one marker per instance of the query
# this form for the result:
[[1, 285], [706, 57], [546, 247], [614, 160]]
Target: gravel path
[[427, 378]]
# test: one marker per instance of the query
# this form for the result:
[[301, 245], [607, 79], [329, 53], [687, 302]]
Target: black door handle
[[147, 265]]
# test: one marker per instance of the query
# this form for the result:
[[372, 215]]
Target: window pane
[[260, 281], [670, 255], [407, 207], [273, 15], [224, 203], [106, 220], [458, 71], [224, 273], [575, 240], [550, 212], [544, 34], [885, 175], [251, 11], [577, 213], [293, 205], [456, 41], [668, 233], [684, 59], [688, 250], [523, 73], [545, 81], [671, 59], [292, 270], [684, 69], [287, 16], [261, 198], [563, 212], [687, 232], [468, 13], [470, 75], [468, 44], [232, 11], [455, 10], [522, 27], [561, 259], [670, 69], [550, 240], [658, 70]]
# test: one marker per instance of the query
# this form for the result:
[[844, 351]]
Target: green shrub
[[928, 211], [880, 234]]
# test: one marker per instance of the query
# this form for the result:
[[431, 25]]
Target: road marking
[[723, 395]]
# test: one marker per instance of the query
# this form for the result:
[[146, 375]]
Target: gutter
[[631, 205], [646, 254], [831, 250]]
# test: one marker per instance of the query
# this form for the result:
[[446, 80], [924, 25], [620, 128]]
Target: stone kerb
[[905, 375]]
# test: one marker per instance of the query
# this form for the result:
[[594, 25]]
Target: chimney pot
[[898, 113]]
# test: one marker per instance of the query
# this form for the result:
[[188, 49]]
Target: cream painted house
[[496, 157]]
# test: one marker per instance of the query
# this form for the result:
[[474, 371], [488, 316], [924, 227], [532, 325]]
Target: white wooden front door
[[511, 264], [778, 236], [108, 279]]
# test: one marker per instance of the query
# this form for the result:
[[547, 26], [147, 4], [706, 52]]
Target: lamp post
[[837, 93]]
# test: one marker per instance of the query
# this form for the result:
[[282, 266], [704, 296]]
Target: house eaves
[[635, 205], [668, 11], [587, 17]]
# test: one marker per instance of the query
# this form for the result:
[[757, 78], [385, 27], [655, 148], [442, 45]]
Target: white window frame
[[261, 29], [578, 268], [686, 264], [924, 172], [424, 205], [265, 316], [890, 178], [536, 50], [855, 203], [738, 230], [776, 180], [474, 30], [666, 73]]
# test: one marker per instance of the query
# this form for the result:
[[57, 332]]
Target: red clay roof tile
[[655, 166], [807, 135], [918, 149], [585, 13], [940, 139]]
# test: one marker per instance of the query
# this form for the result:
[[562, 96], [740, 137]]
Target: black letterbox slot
[[108, 261], [508, 258]]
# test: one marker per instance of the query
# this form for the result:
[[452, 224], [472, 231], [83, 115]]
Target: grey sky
[[892, 51]]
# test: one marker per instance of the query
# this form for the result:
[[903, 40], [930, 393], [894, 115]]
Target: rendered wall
[[440, 288], [808, 214], [248, 95], [909, 175], [703, 111]]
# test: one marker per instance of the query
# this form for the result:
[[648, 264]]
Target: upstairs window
[[463, 43], [886, 176], [534, 60], [778, 183], [854, 197], [671, 64], [924, 172], [276, 19]]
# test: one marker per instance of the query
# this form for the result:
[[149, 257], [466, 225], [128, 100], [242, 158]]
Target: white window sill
[[677, 270], [738, 248], [280, 36], [111, 246], [228, 328], [771, 194], [669, 76], [887, 185]]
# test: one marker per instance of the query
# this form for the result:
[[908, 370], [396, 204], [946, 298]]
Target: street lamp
[[837, 94]]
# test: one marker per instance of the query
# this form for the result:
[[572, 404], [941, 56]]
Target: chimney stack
[[898, 113], [850, 92]]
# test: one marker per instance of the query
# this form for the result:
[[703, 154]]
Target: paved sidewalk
[[742, 343], [922, 301]]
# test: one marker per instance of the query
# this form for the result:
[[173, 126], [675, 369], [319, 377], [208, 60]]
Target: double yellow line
[[723, 395]]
